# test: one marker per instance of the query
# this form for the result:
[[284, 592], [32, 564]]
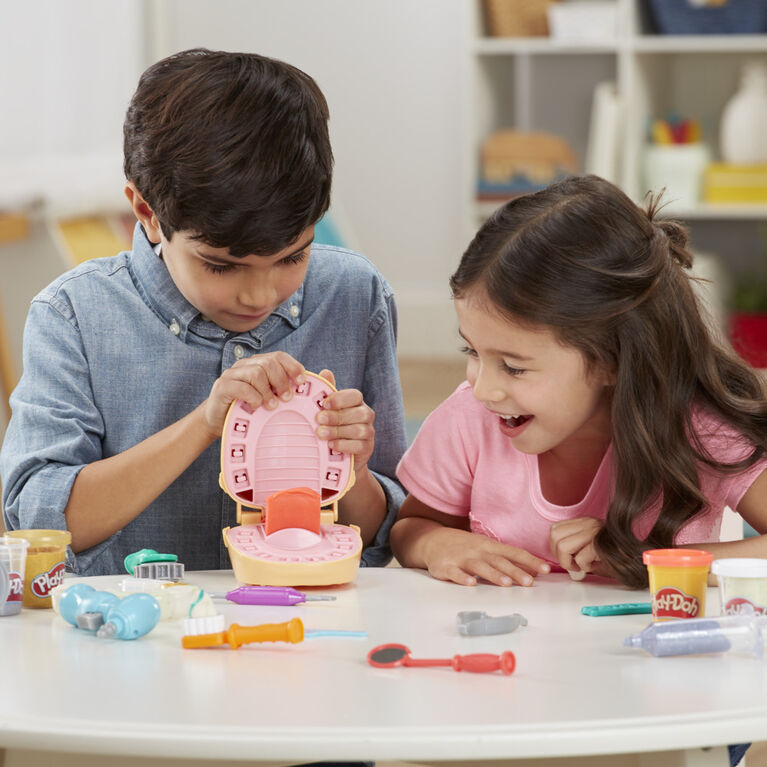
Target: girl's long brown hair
[[611, 280]]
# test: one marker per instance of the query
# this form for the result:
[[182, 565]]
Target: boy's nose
[[257, 294]]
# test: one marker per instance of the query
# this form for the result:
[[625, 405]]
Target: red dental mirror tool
[[390, 655]]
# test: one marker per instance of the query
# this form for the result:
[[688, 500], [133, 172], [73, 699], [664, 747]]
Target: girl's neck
[[567, 472]]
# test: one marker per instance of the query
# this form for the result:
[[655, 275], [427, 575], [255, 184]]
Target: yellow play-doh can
[[46, 560], [678, 582]]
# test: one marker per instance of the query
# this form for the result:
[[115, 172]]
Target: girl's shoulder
[[721, 440]]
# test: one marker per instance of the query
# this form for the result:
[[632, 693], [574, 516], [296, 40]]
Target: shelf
[[677, 44], [699, 44], [548, 85], [545, 46], [731, 212], [703, 212]]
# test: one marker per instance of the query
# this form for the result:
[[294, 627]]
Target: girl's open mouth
[[514, 425], [515, 420]]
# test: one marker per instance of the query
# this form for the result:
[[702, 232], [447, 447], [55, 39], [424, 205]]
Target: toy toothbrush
[[287, 482], [211, 632], [269, 595]]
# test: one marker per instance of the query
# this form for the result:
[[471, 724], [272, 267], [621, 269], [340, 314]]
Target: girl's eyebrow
[[500, 352]]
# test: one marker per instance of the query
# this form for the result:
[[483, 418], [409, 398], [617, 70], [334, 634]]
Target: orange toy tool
[[292, 631]]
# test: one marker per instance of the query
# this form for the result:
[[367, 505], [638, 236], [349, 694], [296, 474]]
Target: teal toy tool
[[625, 608]]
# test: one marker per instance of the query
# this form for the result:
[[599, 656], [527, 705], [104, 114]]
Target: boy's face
[[236, 293]]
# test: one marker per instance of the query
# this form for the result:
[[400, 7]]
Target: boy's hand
[[258, 380], [572, 544], [463, 557], [347, 423]]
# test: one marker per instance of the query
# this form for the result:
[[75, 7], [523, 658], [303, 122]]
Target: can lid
[[12, 540], [677, 558], [43, 537], [740, 568]]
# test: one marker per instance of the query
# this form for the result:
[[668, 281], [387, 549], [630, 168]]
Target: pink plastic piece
[[336, 542], [265, 451]]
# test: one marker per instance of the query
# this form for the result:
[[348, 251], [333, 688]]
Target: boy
[[131, 362]]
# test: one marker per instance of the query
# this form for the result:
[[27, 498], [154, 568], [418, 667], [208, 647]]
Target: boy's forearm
[[364, 505], [110, 493]]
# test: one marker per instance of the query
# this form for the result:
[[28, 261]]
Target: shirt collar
[[158, 290]]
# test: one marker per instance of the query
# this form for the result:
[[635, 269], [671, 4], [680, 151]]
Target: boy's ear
[[143, 213]]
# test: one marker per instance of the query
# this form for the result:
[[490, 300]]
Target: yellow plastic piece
[[727, 183], [292, 631], [263, 572]]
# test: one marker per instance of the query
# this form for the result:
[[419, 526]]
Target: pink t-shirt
[[460, 463]]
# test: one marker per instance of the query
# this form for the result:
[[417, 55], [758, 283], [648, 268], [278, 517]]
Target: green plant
[[749, 290]]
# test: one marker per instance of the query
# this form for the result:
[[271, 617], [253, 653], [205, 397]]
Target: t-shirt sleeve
[[438, 468], [725, 444]]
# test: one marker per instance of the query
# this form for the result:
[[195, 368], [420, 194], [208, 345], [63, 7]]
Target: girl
[[601, 416]]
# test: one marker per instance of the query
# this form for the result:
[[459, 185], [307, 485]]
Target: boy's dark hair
[[233, 147], [610, 280]]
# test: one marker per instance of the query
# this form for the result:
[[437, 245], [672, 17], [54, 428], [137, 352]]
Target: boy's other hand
[[464, 557], [258, 380], [347, 423]]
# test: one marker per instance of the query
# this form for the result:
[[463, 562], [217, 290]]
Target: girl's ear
[[608, 376], [143, 213]]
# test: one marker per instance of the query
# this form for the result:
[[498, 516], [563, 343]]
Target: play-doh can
[[678, 582], [742, 585], [46, 560]]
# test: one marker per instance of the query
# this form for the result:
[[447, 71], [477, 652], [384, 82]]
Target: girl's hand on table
[[464, 557], [572, 544]]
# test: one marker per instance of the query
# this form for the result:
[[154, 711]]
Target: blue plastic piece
[[82, 598], [127, 618], [624, 608]]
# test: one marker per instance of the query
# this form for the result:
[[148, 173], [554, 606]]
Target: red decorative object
[[749, 337]]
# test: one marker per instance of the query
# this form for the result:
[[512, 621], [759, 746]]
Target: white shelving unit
[[543, 84]]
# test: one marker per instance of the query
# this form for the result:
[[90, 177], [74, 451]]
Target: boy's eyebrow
[[219, 260], [501, 352]]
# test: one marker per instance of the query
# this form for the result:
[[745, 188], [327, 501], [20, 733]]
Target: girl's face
[[540, 390], [236, 293]]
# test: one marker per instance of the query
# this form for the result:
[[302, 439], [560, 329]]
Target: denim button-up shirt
[[113, 353]]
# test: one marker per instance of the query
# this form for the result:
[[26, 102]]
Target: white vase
[[743, 132]]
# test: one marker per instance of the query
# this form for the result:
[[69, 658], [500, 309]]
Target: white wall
[[392, 73]]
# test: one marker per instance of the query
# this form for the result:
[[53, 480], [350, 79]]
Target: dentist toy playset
[[287, 483]]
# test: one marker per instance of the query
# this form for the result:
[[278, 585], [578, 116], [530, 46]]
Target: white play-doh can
[[742, 585]]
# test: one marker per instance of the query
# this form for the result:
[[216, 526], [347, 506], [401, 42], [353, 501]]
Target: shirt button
[[294, 310], [174, 327], [239, 352]]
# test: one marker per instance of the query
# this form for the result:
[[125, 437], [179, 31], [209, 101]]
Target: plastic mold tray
[[273, 463]]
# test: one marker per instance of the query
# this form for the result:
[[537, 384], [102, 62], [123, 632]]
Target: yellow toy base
[[280, 567]]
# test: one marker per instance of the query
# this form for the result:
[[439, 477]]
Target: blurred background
[[440, 110]]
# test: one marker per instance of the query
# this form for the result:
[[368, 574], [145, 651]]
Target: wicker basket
[[517, 18]]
